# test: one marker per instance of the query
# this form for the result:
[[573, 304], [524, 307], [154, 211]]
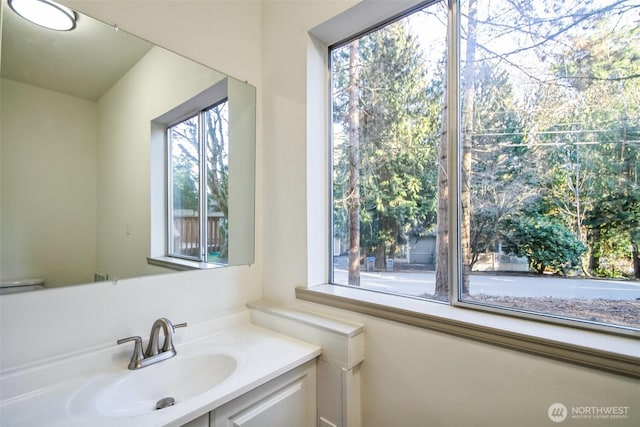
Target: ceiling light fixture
[[45, 13]]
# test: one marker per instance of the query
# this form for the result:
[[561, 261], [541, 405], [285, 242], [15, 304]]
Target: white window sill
[[181, 264], [607, 352]]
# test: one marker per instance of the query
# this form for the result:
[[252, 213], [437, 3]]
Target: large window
[[527, 176], [198, 186]]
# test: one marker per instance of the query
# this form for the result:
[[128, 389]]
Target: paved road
[[417, 283]]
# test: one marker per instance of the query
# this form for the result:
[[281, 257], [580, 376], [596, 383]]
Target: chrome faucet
[[154, 352]]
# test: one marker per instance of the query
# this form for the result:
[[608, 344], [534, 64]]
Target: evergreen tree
[[398, 131]]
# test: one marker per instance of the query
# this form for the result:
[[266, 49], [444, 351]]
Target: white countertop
[[50, 393]]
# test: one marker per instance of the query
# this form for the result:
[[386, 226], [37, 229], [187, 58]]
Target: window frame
[[454, 212], [160, 188], [170, 250], [203, 228]]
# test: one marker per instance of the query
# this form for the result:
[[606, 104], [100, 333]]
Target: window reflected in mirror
[[198, 199]]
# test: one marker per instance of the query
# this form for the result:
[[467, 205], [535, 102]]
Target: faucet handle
[[168, 339], [137, 356]]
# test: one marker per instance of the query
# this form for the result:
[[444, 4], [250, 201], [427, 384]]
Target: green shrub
[[546, 243]]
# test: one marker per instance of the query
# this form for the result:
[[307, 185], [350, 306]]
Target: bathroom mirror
[[83, 153]]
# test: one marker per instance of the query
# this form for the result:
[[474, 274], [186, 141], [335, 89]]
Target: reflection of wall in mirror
[[49, 166], [242, 118]]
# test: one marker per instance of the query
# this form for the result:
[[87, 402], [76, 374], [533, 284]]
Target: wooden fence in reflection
[[187, 234]]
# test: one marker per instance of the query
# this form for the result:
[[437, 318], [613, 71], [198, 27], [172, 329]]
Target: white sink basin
[[137, 392]]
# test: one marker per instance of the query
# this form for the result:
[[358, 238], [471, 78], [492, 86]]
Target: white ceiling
[[84, 62]]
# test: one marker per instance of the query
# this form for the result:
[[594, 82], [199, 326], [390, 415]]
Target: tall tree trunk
[[467, 142], [353, 203], [380, 246], [442, 220], [593, 239], [379, 254], [636, 259]]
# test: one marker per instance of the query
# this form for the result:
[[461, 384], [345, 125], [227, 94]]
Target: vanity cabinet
[[286, 401]]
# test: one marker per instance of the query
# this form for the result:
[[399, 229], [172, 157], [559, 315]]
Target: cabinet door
[[287, 401]]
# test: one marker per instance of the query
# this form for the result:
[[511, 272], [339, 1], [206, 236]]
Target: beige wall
[[411, 377], [43, 203]]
